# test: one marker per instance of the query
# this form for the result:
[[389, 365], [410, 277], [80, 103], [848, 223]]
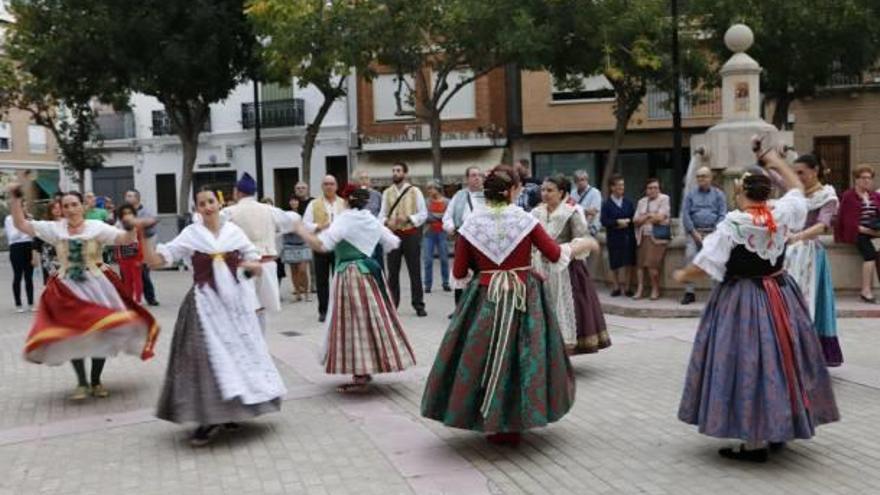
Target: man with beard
[[404, 211]]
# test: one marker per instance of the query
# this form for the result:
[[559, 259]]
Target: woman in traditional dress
[[130, 258], [502, 366], [756, 372], [48, 259], [84, 310], [571, 292], [219, 370], [806, 260], [364, 335], [617, 218]]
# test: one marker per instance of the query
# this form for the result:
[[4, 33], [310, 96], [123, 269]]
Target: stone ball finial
[[739, 38]]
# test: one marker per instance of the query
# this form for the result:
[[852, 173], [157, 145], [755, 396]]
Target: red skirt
[[69, 327]]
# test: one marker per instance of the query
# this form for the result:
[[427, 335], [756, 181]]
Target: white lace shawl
[[497, 231], [236, 350], [738, 228], [360, 229]]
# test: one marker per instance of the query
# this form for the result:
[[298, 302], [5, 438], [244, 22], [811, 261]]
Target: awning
[[47, 180], [455, 162]]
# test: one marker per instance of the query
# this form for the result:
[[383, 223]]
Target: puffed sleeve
[[285, 221], [389, 241], [791, 210], [580, 228], [178, 248], [715, 252], [331, 236], [45, 230], [105, 233], [826, 214]]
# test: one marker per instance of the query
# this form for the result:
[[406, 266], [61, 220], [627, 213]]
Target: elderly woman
[[652, 235], [858, 223], [617, 218]]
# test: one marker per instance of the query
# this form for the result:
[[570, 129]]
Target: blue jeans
[[435, 240]]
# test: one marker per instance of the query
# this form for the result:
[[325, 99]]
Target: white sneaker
[[19, 309]]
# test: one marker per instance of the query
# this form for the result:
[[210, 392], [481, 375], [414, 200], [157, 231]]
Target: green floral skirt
[[533, 382]]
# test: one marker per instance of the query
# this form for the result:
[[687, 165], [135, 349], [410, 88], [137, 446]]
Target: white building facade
[[143, 152]]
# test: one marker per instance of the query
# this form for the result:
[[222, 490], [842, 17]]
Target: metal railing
[[118, 125], [698, 103], [162, 125], [276, 113], [870, 77]]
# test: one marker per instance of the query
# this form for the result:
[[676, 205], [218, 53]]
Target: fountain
[[726, 147]]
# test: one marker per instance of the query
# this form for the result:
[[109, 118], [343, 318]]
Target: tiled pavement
[[621, 436]]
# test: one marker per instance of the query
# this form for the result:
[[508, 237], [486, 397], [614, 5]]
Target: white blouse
[[360, 229], [738, 228], [53, 232]]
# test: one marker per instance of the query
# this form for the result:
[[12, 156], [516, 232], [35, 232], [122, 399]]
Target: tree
[[187, 54], [801, 45], [52, 67], [627, 42], [318, 43], [424, 42]]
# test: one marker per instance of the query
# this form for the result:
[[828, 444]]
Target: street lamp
[[258, 141], [676, 102]]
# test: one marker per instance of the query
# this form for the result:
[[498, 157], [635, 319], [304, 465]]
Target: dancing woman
[[571, 292], [219, 370], [806, 260], [502, 366], [364, 335], [84, 310], [756, 372]]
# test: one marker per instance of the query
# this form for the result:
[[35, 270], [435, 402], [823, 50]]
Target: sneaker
[[99, 391], [19, 309], [688, 298], [80, 393], [203, 435]]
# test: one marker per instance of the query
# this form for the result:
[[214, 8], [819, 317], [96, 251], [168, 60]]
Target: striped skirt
[[364, 335]]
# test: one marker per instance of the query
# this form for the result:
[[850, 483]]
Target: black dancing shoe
[[421, 313], [322, 317], [741, 454], [688, 298], [204, 435], [776, 446]]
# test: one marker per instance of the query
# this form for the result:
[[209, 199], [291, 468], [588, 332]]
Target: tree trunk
[[189, 141], [312, 131], [780, 113], [436, 126], [616, 141]]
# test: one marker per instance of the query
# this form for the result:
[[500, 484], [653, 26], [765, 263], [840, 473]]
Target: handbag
[[661, 232]]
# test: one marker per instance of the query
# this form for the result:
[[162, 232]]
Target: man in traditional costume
[[318, 216]]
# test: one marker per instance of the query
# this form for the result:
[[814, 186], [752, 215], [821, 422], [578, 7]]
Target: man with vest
[[588, 198], [374, 206], [260, 222], [318, 216], [463, 203], [404, 211]]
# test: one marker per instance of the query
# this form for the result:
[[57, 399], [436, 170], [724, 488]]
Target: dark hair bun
[[499, 181], [561, 182], [358, 199], [757, 187]]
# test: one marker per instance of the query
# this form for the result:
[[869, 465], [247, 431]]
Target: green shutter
[[275, 92]]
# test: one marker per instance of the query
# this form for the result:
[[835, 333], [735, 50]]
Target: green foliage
[[800, 44]]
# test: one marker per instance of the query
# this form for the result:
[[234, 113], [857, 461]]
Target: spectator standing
[[374, 206], [530, 196], [652, 236], [94, 211], [21, 247], [703, 208], [130, 257], [435, 237], [465, 202], [404, 212], [617, 218], [589, 199], [133, 197], [858, 223], [317, 218], [294, 251]]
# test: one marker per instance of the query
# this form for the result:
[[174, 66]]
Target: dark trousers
[[323, 268], [149, 290], [410, 251], [20, 256], [79, 366]]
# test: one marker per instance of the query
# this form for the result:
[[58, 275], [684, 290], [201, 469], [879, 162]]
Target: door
[[337, 166], [285, 180], [223, 181], [833, 151], [113, 182]]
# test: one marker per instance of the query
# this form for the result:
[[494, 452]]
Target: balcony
[[162, 125], [275, 113], [870, 77], [702, 103], [418, 137], [118, 125]]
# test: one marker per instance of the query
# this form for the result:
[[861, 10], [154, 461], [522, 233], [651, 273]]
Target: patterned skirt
[[535, 385], [191, 393], [592, 332], [757, 372], [364, 335]]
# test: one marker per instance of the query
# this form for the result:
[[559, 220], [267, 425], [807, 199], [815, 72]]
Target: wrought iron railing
[[118, 125], [694, 103], [162, 125], [276, 113]]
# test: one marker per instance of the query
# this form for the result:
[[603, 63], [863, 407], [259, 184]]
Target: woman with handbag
[[858, 222], [652, 235]]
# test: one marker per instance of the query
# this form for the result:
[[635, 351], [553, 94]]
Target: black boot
[[741, 454]]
